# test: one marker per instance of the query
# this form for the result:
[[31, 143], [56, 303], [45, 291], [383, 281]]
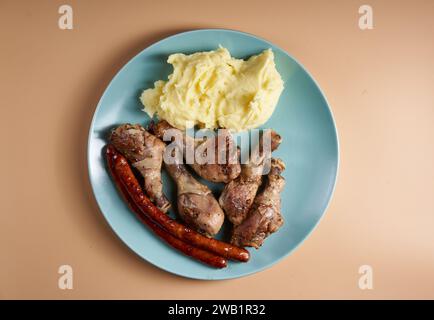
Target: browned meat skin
[[215, 172], [196, 203], [131, 192], [264, 217], [237, 196], [145, 152]]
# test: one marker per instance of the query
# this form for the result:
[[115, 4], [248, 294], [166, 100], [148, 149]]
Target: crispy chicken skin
[[237, 196], [145, 152], [215, 171], [264, 217], [196, 203]]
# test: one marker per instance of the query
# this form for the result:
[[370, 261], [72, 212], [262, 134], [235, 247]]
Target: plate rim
[[270, 264]]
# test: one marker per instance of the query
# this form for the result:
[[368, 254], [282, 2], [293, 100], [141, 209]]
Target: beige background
[[379, 84]]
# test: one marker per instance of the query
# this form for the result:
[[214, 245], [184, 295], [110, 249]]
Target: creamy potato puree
[[213, 90]]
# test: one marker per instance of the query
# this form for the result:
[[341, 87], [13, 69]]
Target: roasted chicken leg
[[264, 217], [145, 152], [221, 168], [237, 196], [196, 203]]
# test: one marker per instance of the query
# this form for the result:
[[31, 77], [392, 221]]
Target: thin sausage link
[[126, 176]]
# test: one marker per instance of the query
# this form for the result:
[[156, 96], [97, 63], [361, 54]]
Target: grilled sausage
[[126, 176]]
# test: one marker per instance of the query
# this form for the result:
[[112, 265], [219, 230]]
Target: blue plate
[[309, 149]]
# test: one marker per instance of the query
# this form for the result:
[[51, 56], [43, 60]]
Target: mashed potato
[[213, 90]]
